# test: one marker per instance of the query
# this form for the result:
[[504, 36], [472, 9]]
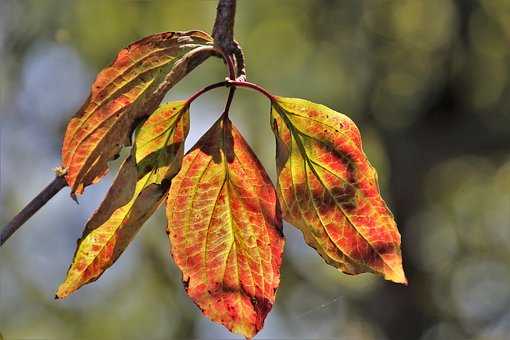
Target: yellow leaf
[[140, 187]]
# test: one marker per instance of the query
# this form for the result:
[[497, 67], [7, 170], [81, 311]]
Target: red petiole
[[231, 83], [253, 86], [204, 90]]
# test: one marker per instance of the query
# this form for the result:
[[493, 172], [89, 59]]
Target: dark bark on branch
[[223, 30], [223, 34], [40, 200]]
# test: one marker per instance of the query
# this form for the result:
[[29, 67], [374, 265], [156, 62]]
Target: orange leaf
[[225, 230], [131, 88], [329, 190], [140, 187]]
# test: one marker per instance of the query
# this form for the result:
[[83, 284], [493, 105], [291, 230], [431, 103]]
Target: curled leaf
[[130, 89], [140, 187], [225, 231], [329, 190]]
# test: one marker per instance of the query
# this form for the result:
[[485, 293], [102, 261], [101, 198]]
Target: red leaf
[[131, 88], [225, 230], [329, 190]]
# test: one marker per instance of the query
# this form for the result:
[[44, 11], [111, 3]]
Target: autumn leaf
[[225, 230], [131, 88], [329, 190], [140, 187]]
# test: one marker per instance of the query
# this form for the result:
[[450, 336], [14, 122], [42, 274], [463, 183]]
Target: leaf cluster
[[224, 214]]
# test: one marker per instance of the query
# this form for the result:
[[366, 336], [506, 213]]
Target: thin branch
[[223, 34], [223, 30], [40, 200]]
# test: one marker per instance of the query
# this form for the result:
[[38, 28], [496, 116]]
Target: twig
[[40, 200], [223, 34], [223, 30]]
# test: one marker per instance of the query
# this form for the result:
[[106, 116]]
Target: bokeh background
[[428, 83]]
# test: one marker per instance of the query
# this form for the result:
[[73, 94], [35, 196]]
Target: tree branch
[[40, 200], [223, 30], [223, 34]]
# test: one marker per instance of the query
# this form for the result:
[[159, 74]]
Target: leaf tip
[[59, 295], [74, 197], [397, 275], [62, 292]]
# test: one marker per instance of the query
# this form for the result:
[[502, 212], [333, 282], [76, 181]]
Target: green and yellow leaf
[[140, 187], [130, 89], [225, 230], [329, 190]]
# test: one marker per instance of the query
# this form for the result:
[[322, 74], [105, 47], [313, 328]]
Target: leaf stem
[[204, 90], [229, 61], [231, 93], [31, 208], [253, 86], [231, 84]]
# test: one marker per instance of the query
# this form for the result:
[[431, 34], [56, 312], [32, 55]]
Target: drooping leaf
[[140, 187], [225, 231], [131, 88], [329, 190]]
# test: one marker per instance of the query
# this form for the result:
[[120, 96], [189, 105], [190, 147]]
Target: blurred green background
[[428, 83]]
